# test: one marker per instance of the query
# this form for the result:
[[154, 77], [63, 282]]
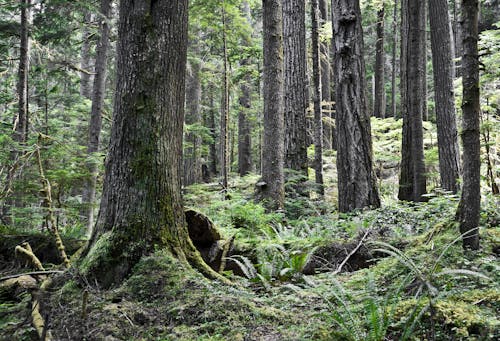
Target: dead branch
[[33, 273], [339, 268]]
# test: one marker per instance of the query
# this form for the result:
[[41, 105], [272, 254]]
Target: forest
[[249, 170]]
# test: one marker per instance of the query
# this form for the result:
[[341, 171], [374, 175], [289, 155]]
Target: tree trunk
[[394, 49], [141, 207], [442, 61], [192, 150], [423, 43], [213, 147], [273, 191], [380, 98], [244, 133], [244, 128], [318, 116], [470, 201], [224, 118], [85, 89], [95, 124], [326, 96], [21, 120], [295, 63], [356, 178], [457, 36], [412, 182]]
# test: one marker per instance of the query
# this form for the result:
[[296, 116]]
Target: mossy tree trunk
[[470, 202], [356, 178], [141, 207]]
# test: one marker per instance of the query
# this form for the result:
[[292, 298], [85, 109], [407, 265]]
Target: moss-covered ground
[[415, 281]]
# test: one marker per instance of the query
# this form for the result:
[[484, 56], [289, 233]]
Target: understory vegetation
[[394, 273]]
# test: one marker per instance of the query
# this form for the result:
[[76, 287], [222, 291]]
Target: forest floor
[[393, 273]]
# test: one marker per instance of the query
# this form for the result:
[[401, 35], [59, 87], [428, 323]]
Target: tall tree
[[394, 49], [356, 178], [21, 119], [192, 151], [295, 100], [141, 206], [380, 98], [412, 181], [470, 201], [273, 188], [224, 118], [95, 124], [244, 133], [85, 88], [443, 68], [326, 96], [318, 116]]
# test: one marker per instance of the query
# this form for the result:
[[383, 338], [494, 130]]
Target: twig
[[33, 273], [339, 268]]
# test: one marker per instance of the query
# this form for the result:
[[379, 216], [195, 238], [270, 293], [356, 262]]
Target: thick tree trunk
[[326, 96], [273, 191], [141, 207], [356, 178], [318, 116], [412, 182], [192, 150], [85, 88], [380, 98], [394, 49], [295, 63], [442, 60], [423, 43], [98, 94], [470, 202]]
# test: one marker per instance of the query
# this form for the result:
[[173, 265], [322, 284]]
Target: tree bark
[[394, 49], [95, 124], [244, 129], [442, 61], [412, 182], [326, 96], [318, 116], [273, 191], [21, 119], [85, 89], [356, 178], [380, 98], [141, 208], [470, 201], [224, 118], [295, 99], [211, 125], [192, 150]]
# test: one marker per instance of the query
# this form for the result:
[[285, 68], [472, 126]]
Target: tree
[[470, 201], [273, 190], [318, 116], [192, 150], [326, 96], [380, 98], [356, 178], [85, 89], [394, 49], [442, 60], [95, 123], [295, 100], [141, 206], [224, 118], [21, 119], [412, 181], [244, 133]]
